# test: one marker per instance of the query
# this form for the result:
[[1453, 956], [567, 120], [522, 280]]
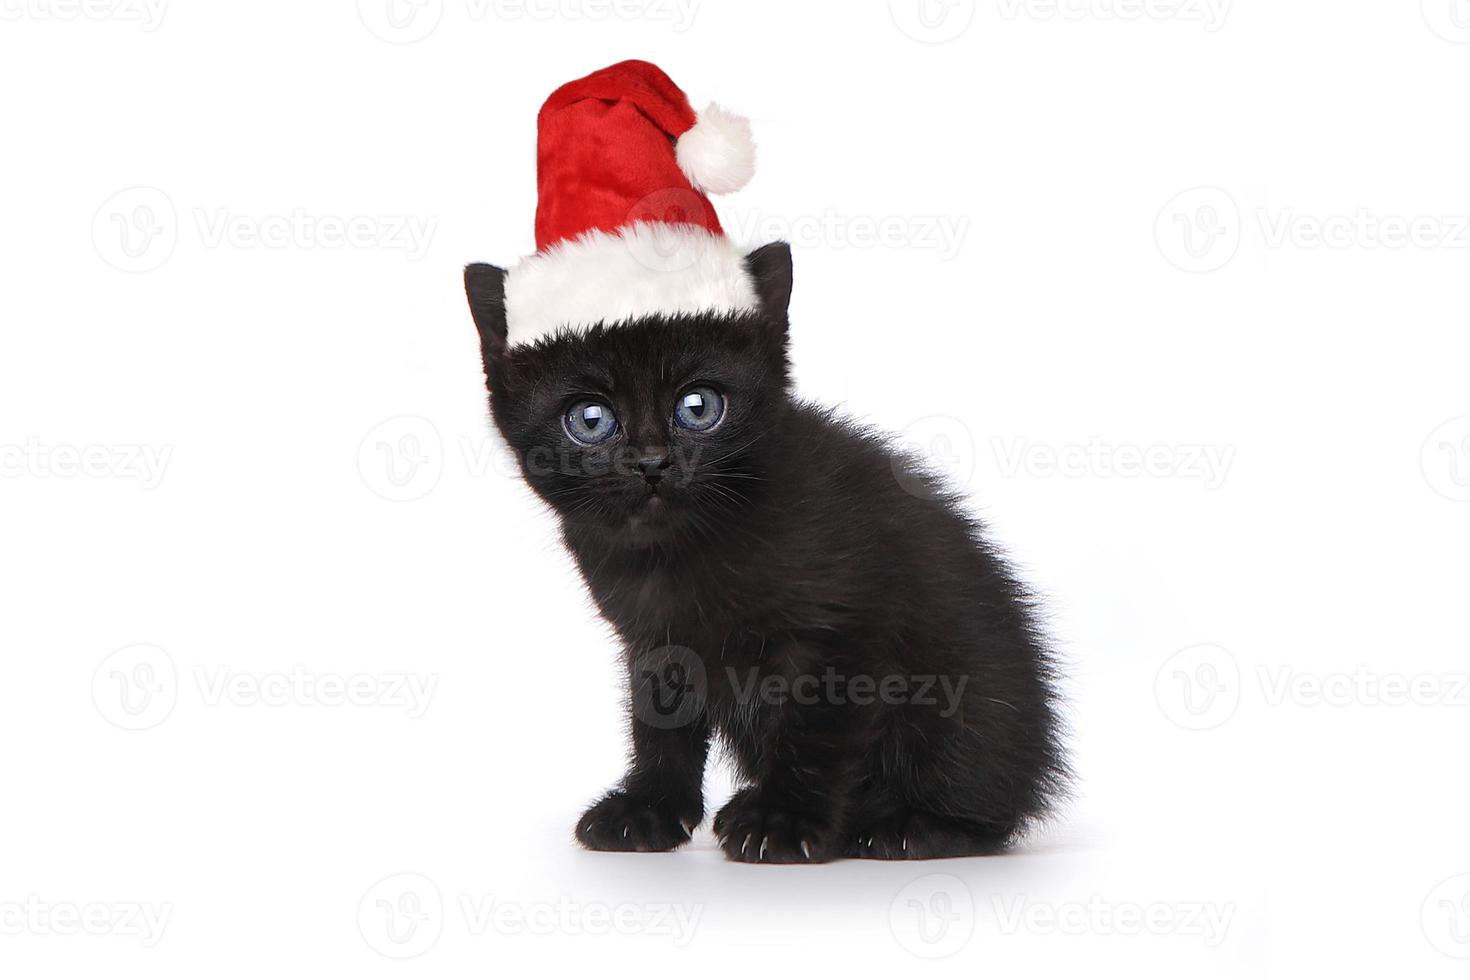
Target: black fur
[[781, 559]]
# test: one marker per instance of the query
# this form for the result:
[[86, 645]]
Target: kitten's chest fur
[[701, 602], [727, 607]]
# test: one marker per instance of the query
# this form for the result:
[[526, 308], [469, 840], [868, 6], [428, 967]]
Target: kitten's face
[[643, 431], [647, 430]]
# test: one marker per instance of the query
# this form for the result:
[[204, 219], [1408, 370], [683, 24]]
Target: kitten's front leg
[[794, 812], [661, 799]]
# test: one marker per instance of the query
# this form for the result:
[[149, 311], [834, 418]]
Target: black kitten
[[784, 580]]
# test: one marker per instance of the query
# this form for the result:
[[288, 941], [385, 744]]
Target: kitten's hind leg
[[914, 835]]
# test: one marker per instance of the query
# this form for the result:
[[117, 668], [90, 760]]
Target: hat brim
[[640, 270]]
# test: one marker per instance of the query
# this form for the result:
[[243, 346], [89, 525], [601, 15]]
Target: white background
[[1175, 290]]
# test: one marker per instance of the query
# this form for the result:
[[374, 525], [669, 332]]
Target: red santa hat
[[623, 225]]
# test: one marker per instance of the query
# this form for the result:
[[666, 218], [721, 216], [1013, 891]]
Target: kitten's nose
[[652, 466]]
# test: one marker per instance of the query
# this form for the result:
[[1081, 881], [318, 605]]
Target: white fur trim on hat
[[643, 269], [718, 153]]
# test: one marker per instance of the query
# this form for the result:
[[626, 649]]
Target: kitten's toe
[[752, 831], [620, 822], [735, 805]]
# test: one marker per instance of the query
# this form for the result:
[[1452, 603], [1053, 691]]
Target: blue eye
[[699, 409], [590, 423]]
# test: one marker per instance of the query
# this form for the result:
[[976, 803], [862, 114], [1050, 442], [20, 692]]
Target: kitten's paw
[[918, 836], [619, 822], [751, 830], [887, 843]]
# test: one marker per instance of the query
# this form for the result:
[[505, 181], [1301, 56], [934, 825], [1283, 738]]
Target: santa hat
[[623, 226]]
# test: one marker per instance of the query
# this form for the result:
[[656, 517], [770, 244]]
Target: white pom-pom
[[717, 154]]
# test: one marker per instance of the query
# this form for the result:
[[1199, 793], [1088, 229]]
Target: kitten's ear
[[770, 267], [485, 287]]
